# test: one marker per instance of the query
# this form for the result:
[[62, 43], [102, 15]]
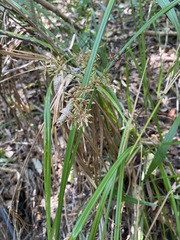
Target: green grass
[[133, 181]]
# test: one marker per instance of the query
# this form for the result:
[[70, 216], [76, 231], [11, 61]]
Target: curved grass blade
[[171, 15], [113, 99], [132, 200], [162, 150]]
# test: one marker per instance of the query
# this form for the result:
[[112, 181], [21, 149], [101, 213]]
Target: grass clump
[[106, 127]]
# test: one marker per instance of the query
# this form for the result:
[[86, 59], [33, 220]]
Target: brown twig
[[52, 8], [161, 33]]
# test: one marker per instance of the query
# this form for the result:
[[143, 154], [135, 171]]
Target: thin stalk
[[128, 85], [142, 50]]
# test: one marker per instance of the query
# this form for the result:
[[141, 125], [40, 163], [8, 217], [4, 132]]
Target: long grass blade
[[68, 160], [171, 190], [162, 150], [100, 207], [47, 159], [97, 43], [122, 147], [80, 223]]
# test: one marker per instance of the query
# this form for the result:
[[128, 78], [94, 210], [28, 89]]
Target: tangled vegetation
[[89, 145]]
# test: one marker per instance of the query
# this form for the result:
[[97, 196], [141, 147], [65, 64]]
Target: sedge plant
[[95, 120]]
